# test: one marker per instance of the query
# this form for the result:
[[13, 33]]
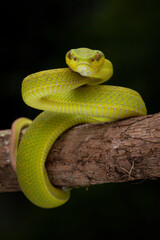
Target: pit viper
[[68, 96]]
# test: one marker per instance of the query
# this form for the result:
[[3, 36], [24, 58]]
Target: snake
[[68, 97]]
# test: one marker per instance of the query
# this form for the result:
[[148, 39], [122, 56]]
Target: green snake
[[69, 96]]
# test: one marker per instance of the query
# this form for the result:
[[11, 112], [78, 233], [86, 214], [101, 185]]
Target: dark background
[[36, 36]]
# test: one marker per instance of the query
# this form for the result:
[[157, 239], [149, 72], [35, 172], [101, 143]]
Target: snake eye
[[70, 55], [97, 56]]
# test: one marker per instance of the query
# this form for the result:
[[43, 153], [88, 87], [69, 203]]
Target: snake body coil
[[69, 96]]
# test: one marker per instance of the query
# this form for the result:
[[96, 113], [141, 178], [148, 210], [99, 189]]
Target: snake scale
[[68, 96]]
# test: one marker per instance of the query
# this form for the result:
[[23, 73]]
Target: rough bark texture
[[89, 154]]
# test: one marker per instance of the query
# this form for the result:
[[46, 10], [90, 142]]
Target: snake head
[[85, 61]]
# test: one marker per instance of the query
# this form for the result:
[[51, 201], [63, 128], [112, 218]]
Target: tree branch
[[89, 154]]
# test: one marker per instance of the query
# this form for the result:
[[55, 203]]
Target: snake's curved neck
[[103, 75]]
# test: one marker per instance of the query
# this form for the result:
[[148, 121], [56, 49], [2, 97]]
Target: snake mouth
[[84, 63], [85, 69]]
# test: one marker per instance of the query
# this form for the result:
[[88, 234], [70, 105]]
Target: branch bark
[[90, 154]]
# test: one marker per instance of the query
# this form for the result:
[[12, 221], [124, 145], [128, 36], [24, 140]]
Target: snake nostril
[[75, 58]]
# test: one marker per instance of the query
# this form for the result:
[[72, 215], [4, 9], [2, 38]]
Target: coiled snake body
[[69, 96]]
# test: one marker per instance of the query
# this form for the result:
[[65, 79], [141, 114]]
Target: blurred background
[[35, 37]]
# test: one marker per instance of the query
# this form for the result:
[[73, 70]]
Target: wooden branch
[[89, 154]]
